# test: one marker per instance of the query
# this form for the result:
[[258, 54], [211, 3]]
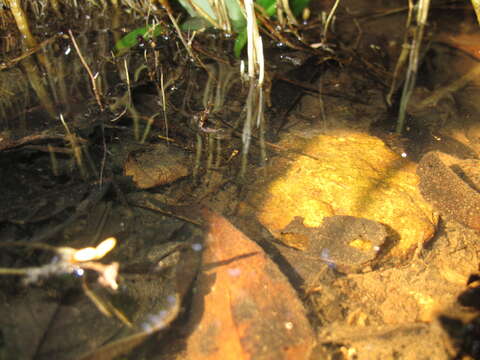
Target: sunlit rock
[[342, 173]]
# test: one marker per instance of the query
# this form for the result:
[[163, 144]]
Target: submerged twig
[[155, 205], [283, 7], [256, 75], [174, 22], [329, 20], [443, 92], [403, 56], [87, 68], [164, 101], [76, 149], [411, 77], [95, 196], [104, 306], [12, 62], [27, 140], [69, 260]]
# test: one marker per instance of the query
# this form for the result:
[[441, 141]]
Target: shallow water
[[159, 137]]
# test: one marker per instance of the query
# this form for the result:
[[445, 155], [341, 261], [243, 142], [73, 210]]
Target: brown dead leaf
[[467, 42], [244, 307]]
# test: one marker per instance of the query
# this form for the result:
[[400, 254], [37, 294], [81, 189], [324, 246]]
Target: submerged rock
[[154, 167], [347, 243], [343, 173], [452, 186]]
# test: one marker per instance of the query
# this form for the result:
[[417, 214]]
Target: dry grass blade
[[476, 7]]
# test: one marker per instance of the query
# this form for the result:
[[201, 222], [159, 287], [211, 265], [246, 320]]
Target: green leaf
[[131, 39], [270, 6], [195, 23], [240, 42], [236, 16], [297, 6]]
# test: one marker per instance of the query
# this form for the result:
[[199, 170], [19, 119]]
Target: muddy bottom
[[145, 229]]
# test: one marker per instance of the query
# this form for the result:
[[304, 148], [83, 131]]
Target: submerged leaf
[[244, 307]]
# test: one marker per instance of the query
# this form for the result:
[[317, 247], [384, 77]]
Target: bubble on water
[[171, 299], [79, 272], [159, 320], [154, 321], [325, 256], [234, 272], [146, 327], [197, 247]]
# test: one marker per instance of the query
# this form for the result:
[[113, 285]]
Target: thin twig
[[95, 195], [12, 62], [174, 22], [329, 20], [403, 55], [149, 205], [90, 74], [411, 76]]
